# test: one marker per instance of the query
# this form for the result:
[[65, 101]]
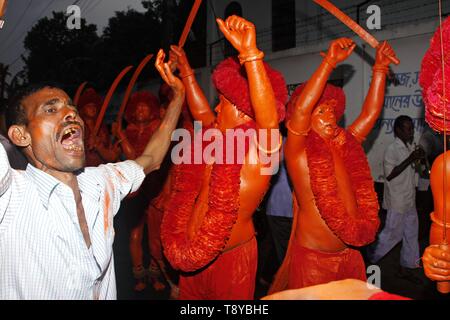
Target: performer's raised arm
[[196, 100], [300, 121], [125, 145], [109, 153], [373, 104], [159, 143], [242, 35]]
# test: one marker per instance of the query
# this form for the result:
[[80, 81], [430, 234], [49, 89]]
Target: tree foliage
[[56, 53], [128, 38], [72, 56]]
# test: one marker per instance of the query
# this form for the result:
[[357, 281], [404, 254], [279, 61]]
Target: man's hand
[[436, 262], [173, 61], [116, 130], [417, 154], [167, 75], [340, 49], [384, 56], [178, 57], [240, 33]]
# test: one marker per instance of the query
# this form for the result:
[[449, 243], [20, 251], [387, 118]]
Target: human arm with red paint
[[103, 146], [196, 100], [373, 104], [242, 36], [300, 122], [125, 145]]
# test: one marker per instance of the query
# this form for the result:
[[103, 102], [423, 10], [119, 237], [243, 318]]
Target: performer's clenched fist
[[385, 54], [436, 262], [240, 33], [340, 49]]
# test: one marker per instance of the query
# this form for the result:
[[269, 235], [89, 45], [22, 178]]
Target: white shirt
[[400, 192], [43, 254]]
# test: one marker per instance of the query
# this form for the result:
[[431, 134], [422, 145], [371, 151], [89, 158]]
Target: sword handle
[[394, 59]]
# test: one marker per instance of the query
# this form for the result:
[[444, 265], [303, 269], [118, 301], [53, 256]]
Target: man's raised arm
[[373, 104], [242, 36], [196, 100], [159, 143], [300, 122]]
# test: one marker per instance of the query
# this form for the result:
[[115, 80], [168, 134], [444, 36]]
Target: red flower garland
[[430, 79], [355, 231], [223, 206]]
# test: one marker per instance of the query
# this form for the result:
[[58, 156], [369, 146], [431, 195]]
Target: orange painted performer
[[435, 82], [143, 119], [335, 204], [207, 228], [101, 151]]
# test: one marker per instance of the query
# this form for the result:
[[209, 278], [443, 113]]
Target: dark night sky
[[21, 15]]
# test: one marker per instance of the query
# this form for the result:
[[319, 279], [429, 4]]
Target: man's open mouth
[[72, 139]]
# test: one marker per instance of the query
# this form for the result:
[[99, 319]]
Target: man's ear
[[19, 135]]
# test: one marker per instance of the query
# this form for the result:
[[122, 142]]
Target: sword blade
[[189, 22], [349, 22], [126, 97], [77, 96], [108, 97]]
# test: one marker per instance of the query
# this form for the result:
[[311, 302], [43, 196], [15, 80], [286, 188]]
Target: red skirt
[[230, 277], [310, 267]]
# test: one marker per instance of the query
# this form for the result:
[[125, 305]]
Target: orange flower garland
[[223, 206], [355, 231]]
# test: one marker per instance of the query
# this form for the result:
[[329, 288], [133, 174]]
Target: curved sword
[[345, 19], [77, 96], [108, 97], [189, 22], [136, 74]]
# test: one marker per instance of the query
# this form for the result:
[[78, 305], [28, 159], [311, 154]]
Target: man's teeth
[[73, 147], [69, 130]]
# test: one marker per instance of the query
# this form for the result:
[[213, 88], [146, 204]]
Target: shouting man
[[56, 219]]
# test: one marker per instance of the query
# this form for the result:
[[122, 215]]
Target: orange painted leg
[[136, 255], [154, 219]]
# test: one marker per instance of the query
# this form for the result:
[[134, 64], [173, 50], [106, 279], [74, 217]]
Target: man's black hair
[[399, 121], [15, 112]]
